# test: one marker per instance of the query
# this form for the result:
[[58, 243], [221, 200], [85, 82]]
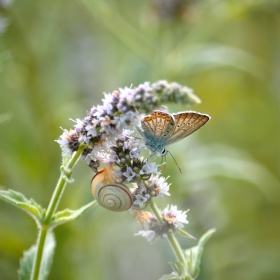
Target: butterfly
[[161, 129]]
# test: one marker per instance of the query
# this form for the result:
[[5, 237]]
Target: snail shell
[[110, 194]]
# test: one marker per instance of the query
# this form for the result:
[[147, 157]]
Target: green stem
[[156, 211], [176, 247], [171, 238], [57, 194], [62, 181], [39, 253]]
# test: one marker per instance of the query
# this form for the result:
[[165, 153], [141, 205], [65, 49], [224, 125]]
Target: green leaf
[[68, 215], [186, 234], [26, 263], [194, 254], [19, 200]]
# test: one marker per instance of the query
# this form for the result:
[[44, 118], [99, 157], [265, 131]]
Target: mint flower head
[[107, 132], [172, 218], [122, 110]]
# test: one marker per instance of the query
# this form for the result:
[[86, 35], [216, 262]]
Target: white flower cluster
[[173, 219]]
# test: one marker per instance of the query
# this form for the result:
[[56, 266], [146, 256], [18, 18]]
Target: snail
[[110, 194]]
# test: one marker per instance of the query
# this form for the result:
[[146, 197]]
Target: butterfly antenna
[[176, 162]]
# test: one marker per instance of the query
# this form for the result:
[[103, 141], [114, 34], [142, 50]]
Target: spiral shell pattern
[[115, 197], [109, 194]]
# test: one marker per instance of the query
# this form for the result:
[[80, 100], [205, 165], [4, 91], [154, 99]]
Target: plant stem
[[57, 194], [39, 253], [176, 247], [171, 238], [62, 181]]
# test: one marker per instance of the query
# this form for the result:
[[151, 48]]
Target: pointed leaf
[[26, 263], [19, 200], [194, 254], [68, 215], [186, 234]]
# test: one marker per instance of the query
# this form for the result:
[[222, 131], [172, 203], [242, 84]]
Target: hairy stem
[[66, 172], [62, 181], [39, 253]]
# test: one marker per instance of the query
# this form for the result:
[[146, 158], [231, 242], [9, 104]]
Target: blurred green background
[[56, 60]]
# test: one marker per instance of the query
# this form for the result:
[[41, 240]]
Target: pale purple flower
[[91, 127], [128, 118], [100, 156], [79, 124], [99, 111], [82, 139], [114, 157], [129, 174], [149, 168], [67, 141], [143, 87], [175, 217], [134, 153], [63, 140], [127, 132], [127, 94], [91, 131], [107, 127], [159, 185], [150, 235], [140, 199], [108, 102]]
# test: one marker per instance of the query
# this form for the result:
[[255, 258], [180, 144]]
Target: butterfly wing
[[185, 124], [157, 128]]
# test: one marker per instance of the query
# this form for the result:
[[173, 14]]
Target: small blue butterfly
[[161, 129]]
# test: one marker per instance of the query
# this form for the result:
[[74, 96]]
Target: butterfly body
[[161, 129]]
